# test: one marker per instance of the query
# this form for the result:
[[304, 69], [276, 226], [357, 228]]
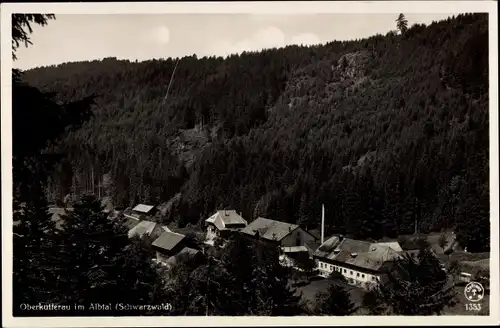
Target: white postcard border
[[305, 7]]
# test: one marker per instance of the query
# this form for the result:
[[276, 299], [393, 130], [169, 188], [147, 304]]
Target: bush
[[337, 276]]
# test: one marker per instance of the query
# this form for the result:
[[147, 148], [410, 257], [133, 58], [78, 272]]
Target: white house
[[222, 223], [362, 263]]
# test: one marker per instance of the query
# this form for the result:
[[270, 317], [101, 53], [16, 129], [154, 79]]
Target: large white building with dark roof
[[361, 262]]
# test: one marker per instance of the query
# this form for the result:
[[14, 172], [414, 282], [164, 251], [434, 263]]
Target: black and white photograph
[[300, 160]]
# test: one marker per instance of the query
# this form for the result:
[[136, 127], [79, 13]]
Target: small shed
[[143, 209]]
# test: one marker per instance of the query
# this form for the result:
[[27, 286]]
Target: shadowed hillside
[[384, 131]]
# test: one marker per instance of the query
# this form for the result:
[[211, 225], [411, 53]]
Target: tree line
[[386, 131]]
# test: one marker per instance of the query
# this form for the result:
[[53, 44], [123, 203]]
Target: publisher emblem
[[474, 291]]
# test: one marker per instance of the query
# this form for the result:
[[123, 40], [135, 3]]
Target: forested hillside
[[385, 131]]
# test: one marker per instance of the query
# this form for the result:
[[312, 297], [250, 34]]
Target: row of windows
[[341, 270]]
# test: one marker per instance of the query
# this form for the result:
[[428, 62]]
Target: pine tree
[[239, 260], [416, 286], [473, 226], [34, 255], [276, 298], [402, 23], [97, 260], [335, 301], [209, 293], [21, 28], [35, 275]]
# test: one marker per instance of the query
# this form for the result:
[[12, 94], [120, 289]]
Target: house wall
[[353, 276], [160, 257], [149, 214], [297, 238], [212, 232]]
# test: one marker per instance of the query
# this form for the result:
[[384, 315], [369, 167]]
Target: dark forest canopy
[[385, 131]]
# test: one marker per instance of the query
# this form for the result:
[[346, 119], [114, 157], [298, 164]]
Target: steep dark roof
[[168, 240], [358, 253], [269, 229], [149, 228], [316, 233], [313, 245]]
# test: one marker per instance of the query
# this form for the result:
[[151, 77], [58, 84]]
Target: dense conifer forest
[[385, 131]]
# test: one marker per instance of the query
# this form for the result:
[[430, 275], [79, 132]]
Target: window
[[373, 277], [345, 270], [331, 267], [357, 274], [362, 276], [351, 273], [320, 264]]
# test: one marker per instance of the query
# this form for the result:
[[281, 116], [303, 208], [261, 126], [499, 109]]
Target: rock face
[[329, 80], [188, 143], [352, 65]]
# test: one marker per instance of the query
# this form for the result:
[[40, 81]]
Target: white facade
[[353, 276], [212, 233]]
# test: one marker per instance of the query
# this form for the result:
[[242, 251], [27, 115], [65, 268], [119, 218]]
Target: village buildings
[[276, 232], [142, 210], [170, 245], [222, 223], [362, 263], [293, 241], [144, 228]]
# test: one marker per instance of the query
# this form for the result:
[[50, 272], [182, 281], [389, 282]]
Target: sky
[[78, 37]]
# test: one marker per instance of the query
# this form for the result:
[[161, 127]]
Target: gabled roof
[[226, 219], [168, 240], [312, 245], [359, 253], [142, 208], [269, 229], [316, 233], [149, 228]]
